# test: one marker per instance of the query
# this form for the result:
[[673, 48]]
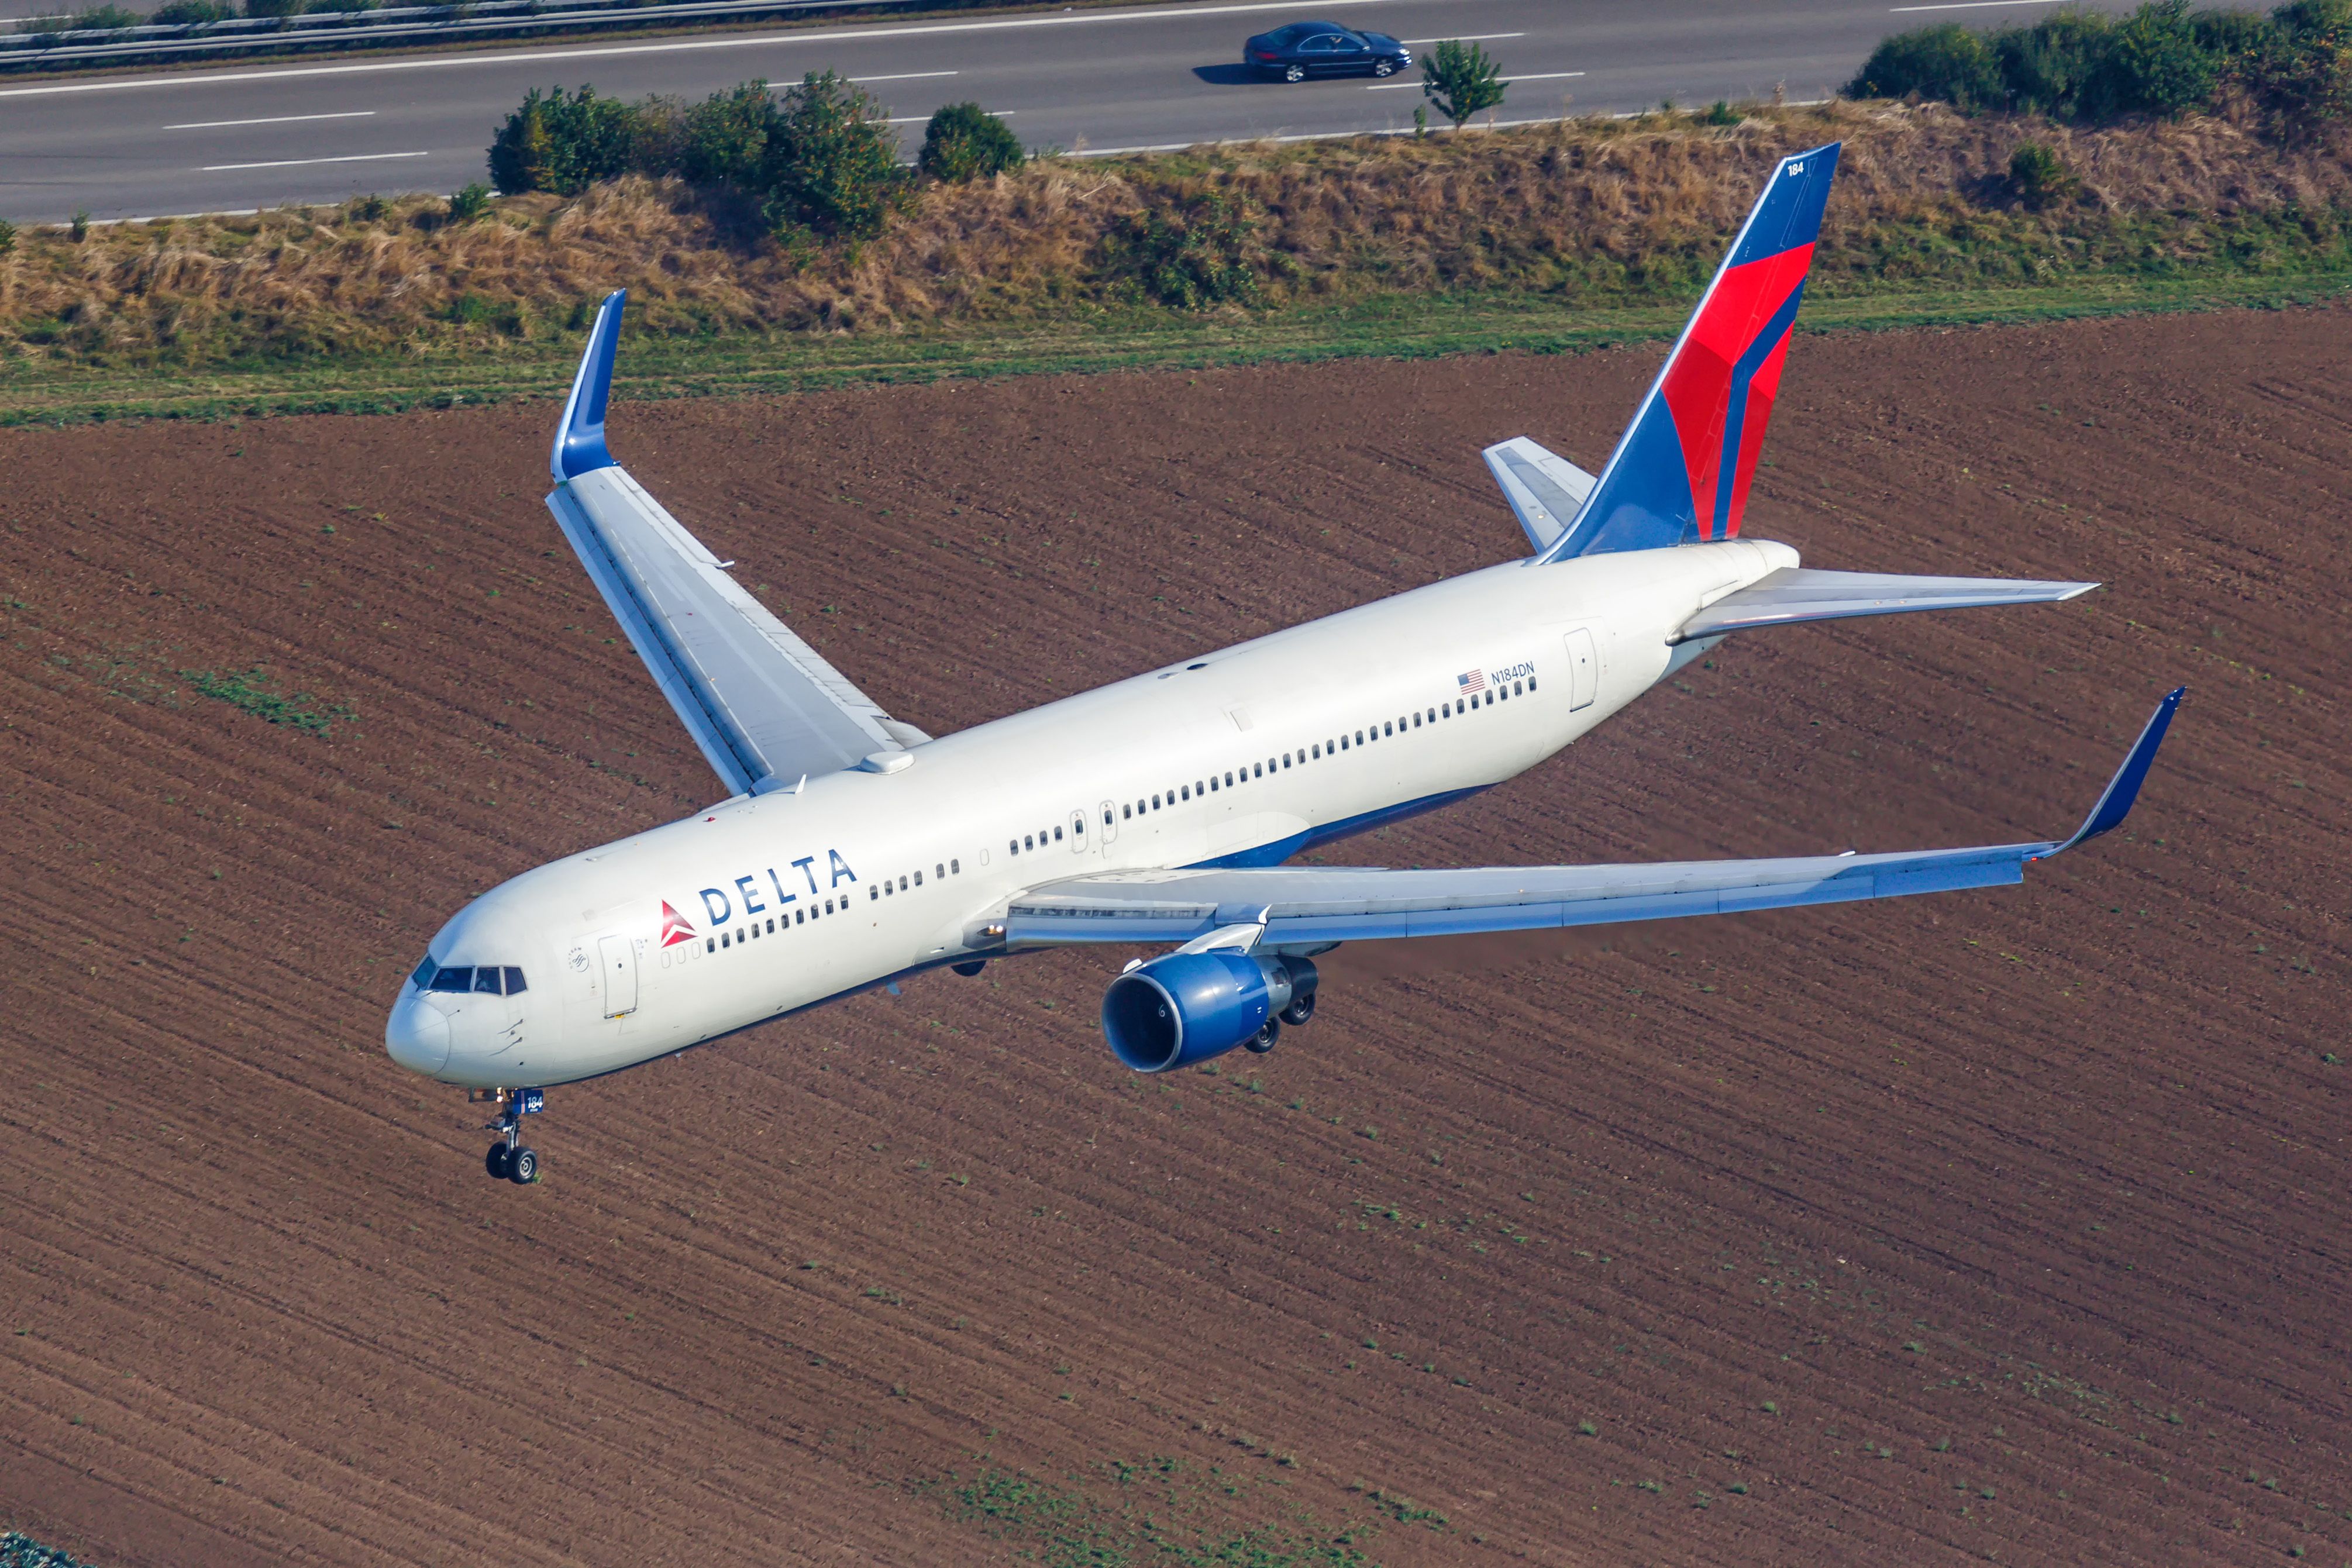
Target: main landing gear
[[1300, 1008], [512, 1159]]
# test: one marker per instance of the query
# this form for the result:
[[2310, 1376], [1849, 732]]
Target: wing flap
[[1796, 594]]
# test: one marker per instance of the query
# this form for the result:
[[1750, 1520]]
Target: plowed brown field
[[2009, 1225]]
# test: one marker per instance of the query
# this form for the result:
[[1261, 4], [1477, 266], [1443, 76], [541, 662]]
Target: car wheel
[[1293, 73], [1384, 67]]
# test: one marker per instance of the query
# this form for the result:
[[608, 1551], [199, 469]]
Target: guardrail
[[70, 48]]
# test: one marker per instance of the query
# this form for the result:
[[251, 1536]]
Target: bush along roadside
[[2287, 75], [813, 164]]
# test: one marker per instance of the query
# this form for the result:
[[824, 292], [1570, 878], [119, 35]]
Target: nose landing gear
[[512, 1159]]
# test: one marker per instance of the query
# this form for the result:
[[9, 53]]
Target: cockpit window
[[514, 981], [486, 978], [458, 978], [424, 975]]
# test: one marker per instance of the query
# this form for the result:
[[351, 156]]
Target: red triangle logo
[[674, 929]]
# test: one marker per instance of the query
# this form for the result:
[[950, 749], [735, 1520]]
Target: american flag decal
[[1476, 681]]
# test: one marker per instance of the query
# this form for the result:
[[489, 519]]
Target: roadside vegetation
[[766, 240], [2286, 75]]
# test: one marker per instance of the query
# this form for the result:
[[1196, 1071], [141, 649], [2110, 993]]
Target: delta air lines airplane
[[853, 849]]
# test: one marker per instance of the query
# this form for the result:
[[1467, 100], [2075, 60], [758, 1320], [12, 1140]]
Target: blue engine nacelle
[[1188, 1007]]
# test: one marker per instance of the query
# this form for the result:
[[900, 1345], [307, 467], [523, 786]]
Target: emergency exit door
[[1583, 669], [619, 958]]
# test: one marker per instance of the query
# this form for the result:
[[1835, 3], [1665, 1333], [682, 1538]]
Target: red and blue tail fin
[[1680, 473]]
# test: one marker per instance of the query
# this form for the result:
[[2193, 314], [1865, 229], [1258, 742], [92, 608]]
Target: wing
[[1795, 594], [1545, 489], [765, 706], [1305, 906]]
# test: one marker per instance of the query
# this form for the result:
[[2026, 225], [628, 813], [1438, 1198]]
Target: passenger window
[[1029, 841], [1229, 778], [800, 918], [461, 978], [828, 905], [955, 868], [1196, 787], [515, 987], [1213, 781], [727, 939], [918, 879], [711, 943], [1519, 688], [902, 884], [874, 893], [1125, 812], [1057, 835], [1531, 682], [1186, 791]]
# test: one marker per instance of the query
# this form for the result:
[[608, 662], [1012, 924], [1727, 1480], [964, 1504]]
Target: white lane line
[[903, 75], [1964, 6], [1343, 135], [1463, 38], [1507, 81], [273, 120], [734, 41], [920, 119], [303, 163]]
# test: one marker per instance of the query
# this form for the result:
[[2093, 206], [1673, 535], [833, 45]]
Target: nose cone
[[417, 1035]]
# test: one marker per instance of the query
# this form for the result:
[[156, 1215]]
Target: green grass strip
[[745, 364]]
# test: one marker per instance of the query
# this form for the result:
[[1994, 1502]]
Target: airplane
[[852, 850]]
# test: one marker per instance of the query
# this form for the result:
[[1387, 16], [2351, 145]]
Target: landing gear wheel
[[1384, 67], [1262, 1040], [1293, 73], [1300, 1009], [495, 1161], [522, 1166]]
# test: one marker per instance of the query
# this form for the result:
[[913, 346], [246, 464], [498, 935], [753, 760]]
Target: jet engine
[[1188, 1007]]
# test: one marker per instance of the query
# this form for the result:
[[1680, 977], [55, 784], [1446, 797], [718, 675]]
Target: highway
[[226, 139]]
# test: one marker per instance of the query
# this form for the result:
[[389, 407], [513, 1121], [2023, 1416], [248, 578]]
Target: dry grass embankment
[[1588, 213]]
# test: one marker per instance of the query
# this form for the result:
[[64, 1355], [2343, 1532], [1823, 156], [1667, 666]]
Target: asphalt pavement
[[237, 138]]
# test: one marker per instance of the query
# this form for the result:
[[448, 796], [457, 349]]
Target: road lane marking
[[1965, 5], [303, 163], [1513, 81], [1463, 38], [273, 120], [920, 119], [734, 41]]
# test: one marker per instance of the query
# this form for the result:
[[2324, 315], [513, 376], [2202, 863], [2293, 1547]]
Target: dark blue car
[[1305, 49]]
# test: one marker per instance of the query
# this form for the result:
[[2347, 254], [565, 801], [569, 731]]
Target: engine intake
[[1188, 1007]]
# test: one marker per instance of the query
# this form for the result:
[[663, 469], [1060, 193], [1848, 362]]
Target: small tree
[[964, 141], [562, 143], [833, 170], [1949, 62], [1461, 80]]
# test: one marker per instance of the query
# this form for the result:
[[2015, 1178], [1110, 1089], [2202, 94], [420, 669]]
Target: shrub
[[1947, 62], [191, 14], [2299, 77], [2154, 65], [1188, 253], [725, 140], [2040, 176], [1461, 79], [964, 141], [367, 209], [470, 202], [834, 169], [353, 7], [564, 144], [2048, 67], [7, 236], [1719, 113], [262, 10]]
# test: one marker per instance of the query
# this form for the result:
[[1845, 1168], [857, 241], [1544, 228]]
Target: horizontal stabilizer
[[1545, 489], [1795, 594], [1310, 906]]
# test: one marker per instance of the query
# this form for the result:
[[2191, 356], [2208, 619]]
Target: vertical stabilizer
[[1680, 471]]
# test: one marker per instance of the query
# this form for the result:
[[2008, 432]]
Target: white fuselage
[[779, 900]]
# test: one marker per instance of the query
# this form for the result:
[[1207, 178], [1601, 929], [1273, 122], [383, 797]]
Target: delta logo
[[674, 929]]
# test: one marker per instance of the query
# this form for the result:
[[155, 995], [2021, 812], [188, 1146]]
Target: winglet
[[579, 439], [2123, 788]]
